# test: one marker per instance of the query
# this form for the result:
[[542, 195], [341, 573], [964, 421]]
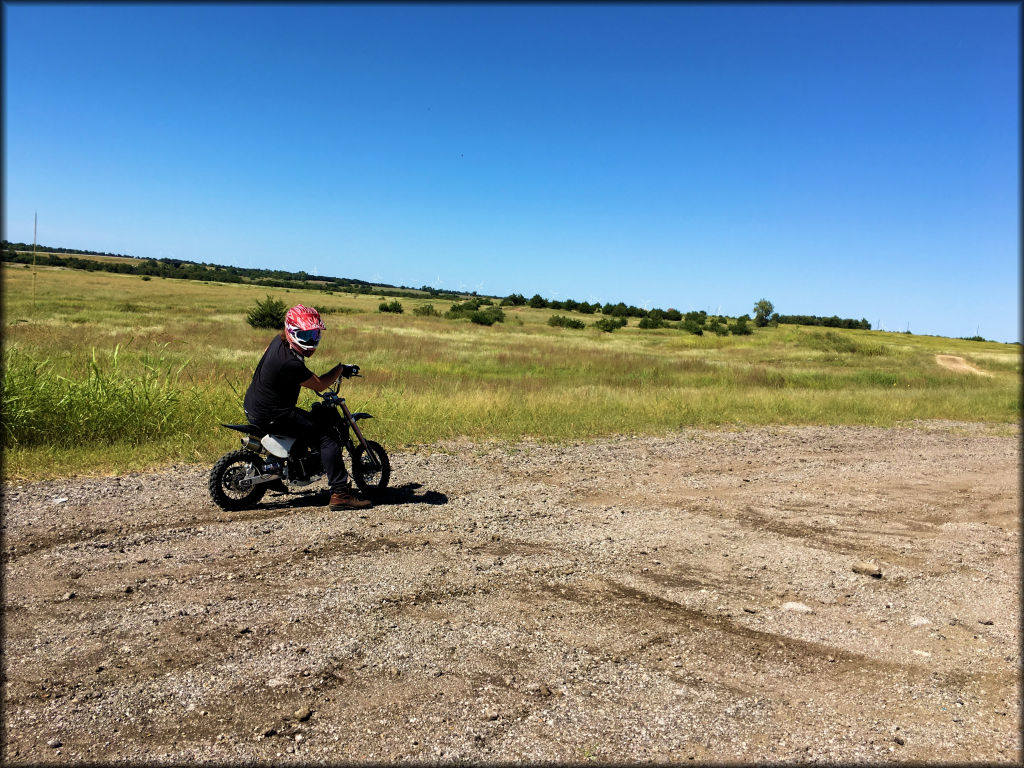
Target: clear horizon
[[850, 160]]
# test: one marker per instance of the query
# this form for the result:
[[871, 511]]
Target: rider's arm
[[320, 383]]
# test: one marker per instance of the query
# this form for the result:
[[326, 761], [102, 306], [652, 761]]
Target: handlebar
[[332, 391]]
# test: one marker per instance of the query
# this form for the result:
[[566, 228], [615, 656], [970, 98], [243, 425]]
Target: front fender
[[361, 415]]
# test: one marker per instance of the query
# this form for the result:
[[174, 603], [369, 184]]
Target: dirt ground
[[706, 596], [958, 364]]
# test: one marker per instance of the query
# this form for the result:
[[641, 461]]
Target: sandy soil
[[958, 364], [706, 596]]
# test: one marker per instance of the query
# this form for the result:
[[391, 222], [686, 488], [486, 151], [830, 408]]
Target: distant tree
[[717, 326], [762, 311], [538, 301], [740, 327]]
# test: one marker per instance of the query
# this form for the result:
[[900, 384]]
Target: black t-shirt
[[275, 385]]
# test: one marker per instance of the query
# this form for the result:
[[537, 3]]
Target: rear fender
[[279, 445]]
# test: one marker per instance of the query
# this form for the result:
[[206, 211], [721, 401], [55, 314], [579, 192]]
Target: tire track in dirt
[[958, 364]]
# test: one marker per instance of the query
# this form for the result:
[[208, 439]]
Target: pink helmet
[[302, 326]]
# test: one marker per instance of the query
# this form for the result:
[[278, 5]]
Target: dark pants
[[318, 427]]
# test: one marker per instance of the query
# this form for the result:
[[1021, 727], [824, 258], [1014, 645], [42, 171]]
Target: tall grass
[[114, 373], [106, 405]]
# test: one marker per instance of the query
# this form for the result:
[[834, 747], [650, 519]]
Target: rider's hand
[[348, 371]]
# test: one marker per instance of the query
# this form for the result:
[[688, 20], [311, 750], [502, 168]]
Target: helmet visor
[[307, 337]]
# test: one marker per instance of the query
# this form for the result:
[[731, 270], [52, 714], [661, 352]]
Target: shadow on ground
[[403, 494]]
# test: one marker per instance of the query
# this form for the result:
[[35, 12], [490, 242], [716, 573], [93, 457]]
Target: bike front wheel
[[371, 468]]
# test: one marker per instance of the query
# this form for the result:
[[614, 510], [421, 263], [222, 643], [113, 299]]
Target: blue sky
[[836, 159]]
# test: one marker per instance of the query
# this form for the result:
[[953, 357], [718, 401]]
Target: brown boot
[[345, 500]]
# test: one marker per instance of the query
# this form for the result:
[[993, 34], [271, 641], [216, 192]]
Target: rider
[[270, 401]]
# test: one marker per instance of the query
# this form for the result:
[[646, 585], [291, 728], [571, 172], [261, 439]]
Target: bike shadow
[[409, 494], [402, 494]]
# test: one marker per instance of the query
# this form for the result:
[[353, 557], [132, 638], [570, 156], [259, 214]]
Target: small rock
[[490, 714], [899, 740], [868, 568], [276, 682], [919, 621], [302, 715], [128, 590], [61, 500], [269, 732], [749, 609], [986, 622], [55, 743], [797, 608], [67, 596]]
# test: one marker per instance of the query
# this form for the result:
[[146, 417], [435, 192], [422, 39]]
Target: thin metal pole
[[35, 232]]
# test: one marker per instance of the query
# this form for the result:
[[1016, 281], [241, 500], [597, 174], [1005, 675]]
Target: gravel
[[612, 600]]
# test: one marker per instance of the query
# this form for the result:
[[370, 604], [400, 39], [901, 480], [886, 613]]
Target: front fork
[[351, 421]]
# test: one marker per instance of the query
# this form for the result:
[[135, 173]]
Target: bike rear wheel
[[371, 470], [229, 488]]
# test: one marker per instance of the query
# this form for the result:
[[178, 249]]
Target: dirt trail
[[958, 364], [636, 599]]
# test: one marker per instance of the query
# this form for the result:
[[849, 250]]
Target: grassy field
[[109, 373]]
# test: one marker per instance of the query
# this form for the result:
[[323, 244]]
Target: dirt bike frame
[[330, 397]]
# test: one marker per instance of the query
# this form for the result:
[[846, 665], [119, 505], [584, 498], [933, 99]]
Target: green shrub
[[335, 310], [609, 324], [458, 311], [561, 321], [650, 322], [426, 310], [740, 327], [692, 326], [393, 306], [268, 313], [488, 316]]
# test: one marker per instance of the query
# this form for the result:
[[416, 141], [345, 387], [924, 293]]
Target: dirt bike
[[266, 461]]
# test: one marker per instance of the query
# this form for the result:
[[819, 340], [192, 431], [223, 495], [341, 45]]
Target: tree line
[[183, 269]]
